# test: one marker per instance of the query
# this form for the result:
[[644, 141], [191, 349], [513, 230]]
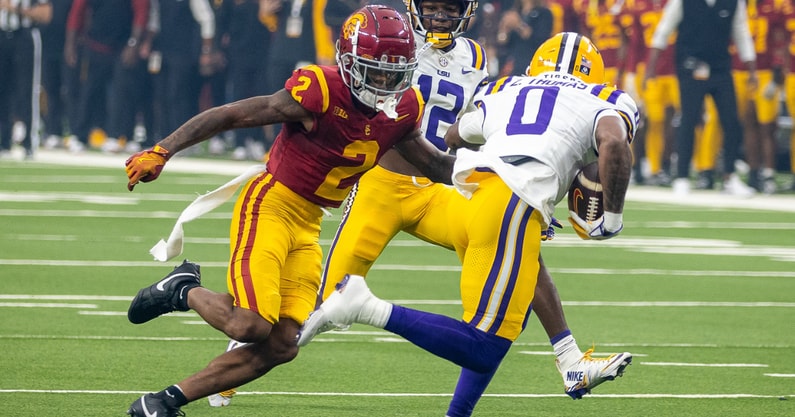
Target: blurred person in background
[[599, 21], [54, 75], [20, 69], [246, 32], [104, 37], [659, 95], [705, 30], [788, 63], [522, 29], [185, 43], [759, 108]]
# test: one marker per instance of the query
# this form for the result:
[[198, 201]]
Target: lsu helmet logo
[[349, 28]]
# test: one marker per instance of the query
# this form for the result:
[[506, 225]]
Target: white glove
[[605, 227]]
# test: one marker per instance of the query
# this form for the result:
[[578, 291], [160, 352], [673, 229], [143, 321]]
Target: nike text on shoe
[[151, 406], [167, 295], [341, 309], [587, 373]]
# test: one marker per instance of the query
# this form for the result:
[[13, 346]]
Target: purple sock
[[558, 337], [470, 388], [454, 340]]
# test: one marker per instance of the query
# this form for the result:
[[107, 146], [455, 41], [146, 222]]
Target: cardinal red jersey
[[322, 164], [766, 22], [645, 16], [598, 19], [564, 18]]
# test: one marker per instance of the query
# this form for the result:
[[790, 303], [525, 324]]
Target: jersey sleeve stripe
[[498, 85], [420, 103], [630, 122], [478, 54], [608, 94], [321, 80]]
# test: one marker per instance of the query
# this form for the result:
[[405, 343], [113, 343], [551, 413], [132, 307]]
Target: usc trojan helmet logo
[[357, 21]]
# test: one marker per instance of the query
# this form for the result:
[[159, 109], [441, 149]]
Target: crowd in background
[[119, 75]]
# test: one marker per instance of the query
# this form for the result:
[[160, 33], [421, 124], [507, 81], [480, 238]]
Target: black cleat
[[151, 406], [167, 295]]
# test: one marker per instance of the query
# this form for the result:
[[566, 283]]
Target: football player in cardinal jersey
[[338, 122], [512, 192], [759, 107]]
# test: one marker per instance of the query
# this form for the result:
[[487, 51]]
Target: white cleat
[[736, 187], [587, 373], [222, 399], [341, 309]]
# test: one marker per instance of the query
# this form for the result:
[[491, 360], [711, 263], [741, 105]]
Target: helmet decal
[[571, 53], [351, 26]]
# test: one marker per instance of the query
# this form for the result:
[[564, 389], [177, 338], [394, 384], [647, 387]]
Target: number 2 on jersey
[[330, 188]]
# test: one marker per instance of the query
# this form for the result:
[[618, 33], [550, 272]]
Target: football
[[585, 194]]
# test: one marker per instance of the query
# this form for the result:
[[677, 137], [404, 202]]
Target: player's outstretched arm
[[256, 111], [280, 107], [434, 164]]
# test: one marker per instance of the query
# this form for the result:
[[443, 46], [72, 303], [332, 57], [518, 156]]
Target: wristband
[[613, 221], [165, 153]]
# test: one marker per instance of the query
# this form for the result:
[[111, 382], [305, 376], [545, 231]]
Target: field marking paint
[[759, 304], [708, 365], [412, 394], [47, 305], [781, 375], [436, 268]]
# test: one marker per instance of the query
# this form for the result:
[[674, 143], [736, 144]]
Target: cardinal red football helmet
[[375, 54]]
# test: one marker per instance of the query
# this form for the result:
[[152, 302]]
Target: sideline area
[[647, 194]]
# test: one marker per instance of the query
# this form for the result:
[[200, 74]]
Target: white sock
[[375, 312], [567, 351]]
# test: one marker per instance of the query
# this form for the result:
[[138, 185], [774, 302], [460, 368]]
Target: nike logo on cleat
[[146, 410], [161, 285]]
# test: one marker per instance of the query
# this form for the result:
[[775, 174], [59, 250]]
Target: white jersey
[[548, 120], [448, 81]]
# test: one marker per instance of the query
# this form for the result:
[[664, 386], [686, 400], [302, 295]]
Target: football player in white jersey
[[498, 224]]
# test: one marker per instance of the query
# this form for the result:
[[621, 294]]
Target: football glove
[[605, 227], [146, 165], [549, 234]]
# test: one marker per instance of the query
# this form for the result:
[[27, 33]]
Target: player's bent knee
[[248, 328]]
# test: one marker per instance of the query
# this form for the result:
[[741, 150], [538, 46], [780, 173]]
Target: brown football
[[585, 193]]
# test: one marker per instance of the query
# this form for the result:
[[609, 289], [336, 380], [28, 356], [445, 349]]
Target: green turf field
[[702, 294]]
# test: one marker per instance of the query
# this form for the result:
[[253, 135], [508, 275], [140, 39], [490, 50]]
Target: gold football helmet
[[571, 53]]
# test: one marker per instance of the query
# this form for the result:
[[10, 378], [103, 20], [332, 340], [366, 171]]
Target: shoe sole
[[580, 392]]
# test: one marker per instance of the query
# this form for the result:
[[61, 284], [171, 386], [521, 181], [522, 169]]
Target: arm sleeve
[[671, 17], [140, 14], [153, 25], [741, 34], [76, 16], [203, 14]]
